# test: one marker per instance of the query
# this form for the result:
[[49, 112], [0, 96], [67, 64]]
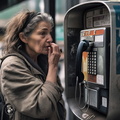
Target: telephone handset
[[83, 45]]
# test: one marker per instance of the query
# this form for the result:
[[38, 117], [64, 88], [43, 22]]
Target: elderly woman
[[29, 82]]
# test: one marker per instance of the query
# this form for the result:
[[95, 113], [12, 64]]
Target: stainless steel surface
[[80, 113], [73, 24]]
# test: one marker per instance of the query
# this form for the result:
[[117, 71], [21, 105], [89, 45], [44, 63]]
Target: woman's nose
[[49, 38]]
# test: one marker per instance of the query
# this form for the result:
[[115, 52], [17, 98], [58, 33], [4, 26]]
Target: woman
[[29, 81]]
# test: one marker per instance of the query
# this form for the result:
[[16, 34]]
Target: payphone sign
[[89, 59], [97, 17]]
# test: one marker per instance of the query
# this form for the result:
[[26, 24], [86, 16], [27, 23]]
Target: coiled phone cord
[[87, 101], [86, 105]]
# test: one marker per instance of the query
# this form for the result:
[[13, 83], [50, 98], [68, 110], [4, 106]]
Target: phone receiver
[[83, 45]]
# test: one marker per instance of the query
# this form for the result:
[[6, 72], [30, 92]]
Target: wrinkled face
[[40, 39]]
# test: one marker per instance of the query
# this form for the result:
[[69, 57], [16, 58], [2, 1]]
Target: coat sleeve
[[27, 93]]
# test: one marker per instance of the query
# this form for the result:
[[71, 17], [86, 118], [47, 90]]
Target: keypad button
[[92, 63]]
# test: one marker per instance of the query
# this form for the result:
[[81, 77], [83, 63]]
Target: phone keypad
[[92, 63]]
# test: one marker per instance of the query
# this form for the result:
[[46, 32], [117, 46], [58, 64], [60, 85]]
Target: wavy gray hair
[[35, 20], [23, 22]]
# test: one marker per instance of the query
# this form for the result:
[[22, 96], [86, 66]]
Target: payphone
[[95, 66], [92, 74]]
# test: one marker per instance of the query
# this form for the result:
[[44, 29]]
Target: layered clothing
[[24, 87]]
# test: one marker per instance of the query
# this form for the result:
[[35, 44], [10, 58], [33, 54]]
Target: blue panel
[[118, 51], [117, 29], [117, 12]]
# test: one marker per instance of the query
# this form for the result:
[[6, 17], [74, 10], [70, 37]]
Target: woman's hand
[[53, 55], [53, 59]]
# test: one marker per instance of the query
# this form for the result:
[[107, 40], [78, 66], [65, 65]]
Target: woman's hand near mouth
[[53, 59]]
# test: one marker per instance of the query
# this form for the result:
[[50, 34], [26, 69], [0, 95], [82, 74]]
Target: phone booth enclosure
[[100, 62]]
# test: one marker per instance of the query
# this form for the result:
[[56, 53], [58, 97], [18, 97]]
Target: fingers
[[55, 48], [53, 55], [49, 51]]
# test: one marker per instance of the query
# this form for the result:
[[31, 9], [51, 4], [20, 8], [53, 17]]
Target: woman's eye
[[43, 33]]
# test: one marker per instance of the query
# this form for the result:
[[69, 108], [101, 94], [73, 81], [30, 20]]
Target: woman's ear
[[22, 37]]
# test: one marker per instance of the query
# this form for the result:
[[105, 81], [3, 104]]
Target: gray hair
[[23, 22], [35, 20]]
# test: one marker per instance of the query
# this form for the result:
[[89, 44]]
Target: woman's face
[[40, 39]]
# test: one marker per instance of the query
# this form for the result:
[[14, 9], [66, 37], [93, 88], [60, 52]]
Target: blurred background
[[56, 8]]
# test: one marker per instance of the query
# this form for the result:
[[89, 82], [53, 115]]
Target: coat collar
[[35, 69]]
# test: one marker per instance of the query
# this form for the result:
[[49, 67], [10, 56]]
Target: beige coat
[[27, 91]]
